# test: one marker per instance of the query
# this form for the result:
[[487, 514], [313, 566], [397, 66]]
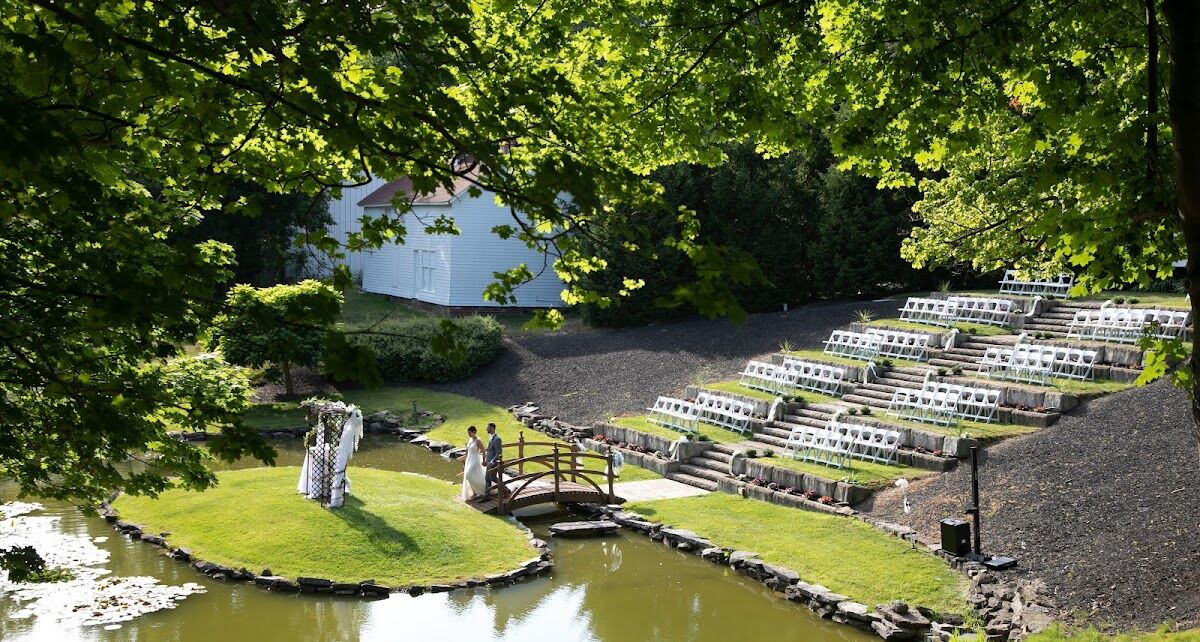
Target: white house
[[442, 269]]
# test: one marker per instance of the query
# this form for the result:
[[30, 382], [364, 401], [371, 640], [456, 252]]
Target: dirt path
[[1104, 506], [589, 376]]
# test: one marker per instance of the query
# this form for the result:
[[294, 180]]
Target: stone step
[[711, 464], [783, 432], [785, 427], [918, 371], [698, 482], [724, 449], [763, 440], [702, 473], [867, 393], [892, 384], [997, 340], [969, 350], [1064, 315], [713, 453], [873, 402], [883, 388], [968, 366], [893, 375], [807, 412]]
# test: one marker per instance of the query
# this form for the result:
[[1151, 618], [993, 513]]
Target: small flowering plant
[[826, 499]]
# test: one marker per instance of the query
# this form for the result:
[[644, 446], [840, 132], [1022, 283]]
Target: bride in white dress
[[473, 473]]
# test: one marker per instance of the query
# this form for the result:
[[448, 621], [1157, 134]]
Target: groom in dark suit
[[494, 449]]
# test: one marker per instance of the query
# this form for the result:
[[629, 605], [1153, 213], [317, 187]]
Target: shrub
[[279, 327], [865, 410], [958, 370], [853, 411], [1133, 301], [887, 363], [432, 349], [941, 372], [864, 316]]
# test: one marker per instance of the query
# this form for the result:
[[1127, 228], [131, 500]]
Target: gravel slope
[[1104, 506], [589, 376]]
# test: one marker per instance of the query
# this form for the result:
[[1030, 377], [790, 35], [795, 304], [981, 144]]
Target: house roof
[[403, 186]]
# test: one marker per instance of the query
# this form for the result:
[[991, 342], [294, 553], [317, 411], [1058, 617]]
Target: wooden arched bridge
[[558, 474]]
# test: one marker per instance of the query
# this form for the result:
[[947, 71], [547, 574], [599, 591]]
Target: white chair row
[[936, 311], [878, 342], [923, 405], [817, 377], [768, 377], [905, 345], [982, 309], [970, 402], [676, 414], [1127, 325], [838, 441], [1035, 363], [725, 412], [843, 343], [1058, 285]]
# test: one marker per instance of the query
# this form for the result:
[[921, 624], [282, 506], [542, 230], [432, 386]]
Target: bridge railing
[[564, 462]]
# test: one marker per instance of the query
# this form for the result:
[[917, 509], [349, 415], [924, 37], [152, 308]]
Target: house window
[[424, 262]]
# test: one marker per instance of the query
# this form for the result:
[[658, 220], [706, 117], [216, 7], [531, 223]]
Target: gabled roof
[[383, 196]]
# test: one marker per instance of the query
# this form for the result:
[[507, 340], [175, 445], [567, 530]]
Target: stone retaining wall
[[531, 568]]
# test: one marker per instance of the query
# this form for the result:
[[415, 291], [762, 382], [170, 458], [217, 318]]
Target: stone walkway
[[650, 489]]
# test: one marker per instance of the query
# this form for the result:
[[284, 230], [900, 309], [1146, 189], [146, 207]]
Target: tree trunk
[[288, 388], [1183, 20]]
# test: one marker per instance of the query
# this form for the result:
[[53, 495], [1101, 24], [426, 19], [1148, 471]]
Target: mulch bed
[[1104, 506], [306, 382], [590, 376]]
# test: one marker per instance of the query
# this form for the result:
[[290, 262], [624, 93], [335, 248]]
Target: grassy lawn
[[1144, 299], [396, 528], [965, 327], [714, 433], [845, 555], [1057, 634], [976, 429], [362, 309], [863, 473], [733, 387], [815, 354], [1098, 386], [460, 412]]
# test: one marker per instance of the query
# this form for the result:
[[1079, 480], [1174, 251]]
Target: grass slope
[[1058, 635], [815, 354], [845, 555], [460, 412], [396, 528], [965, 327], [863, 473], [714, 433]]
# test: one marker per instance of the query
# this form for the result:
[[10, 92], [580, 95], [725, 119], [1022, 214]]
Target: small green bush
[[408, 349]]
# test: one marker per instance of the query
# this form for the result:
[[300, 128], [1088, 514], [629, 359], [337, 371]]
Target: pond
[[623, 587]]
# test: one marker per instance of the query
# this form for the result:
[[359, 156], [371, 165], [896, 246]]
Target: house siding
[[463, 264], [478, 253], [392, 269], [345, 214]]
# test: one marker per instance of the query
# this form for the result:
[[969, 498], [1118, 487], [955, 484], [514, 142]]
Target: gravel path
[[589, 376], [1104, 506]]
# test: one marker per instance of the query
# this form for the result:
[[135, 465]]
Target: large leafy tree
[[1036, 131], [122, 124]]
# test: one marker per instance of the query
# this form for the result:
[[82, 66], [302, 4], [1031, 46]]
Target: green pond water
[[617, 588]]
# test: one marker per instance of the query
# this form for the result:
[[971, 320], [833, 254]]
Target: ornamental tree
[[278, 328]]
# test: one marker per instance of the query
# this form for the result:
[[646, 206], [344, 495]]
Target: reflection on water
[[613, 589], [374, 451]]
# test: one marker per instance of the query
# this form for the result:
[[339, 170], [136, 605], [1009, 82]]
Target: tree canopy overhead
[[1032, 128]]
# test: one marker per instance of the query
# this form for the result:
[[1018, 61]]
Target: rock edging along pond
[[895, 621], [533, 567]]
